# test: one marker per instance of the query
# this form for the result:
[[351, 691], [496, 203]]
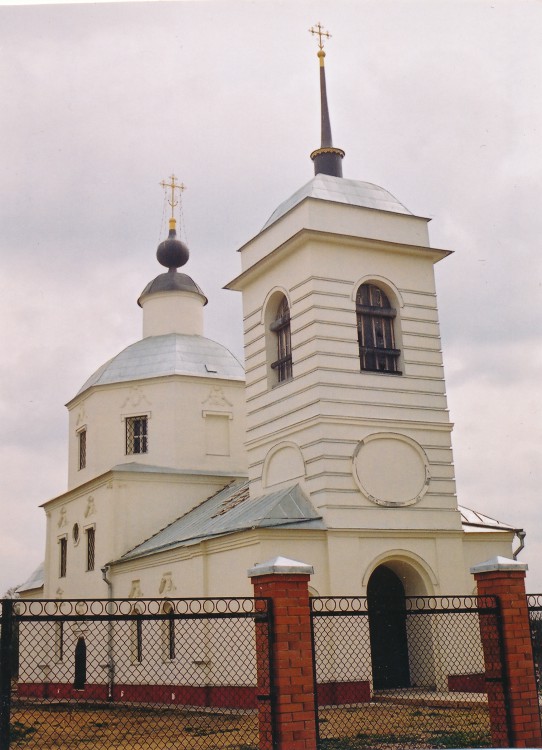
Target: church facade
[[331, 446]]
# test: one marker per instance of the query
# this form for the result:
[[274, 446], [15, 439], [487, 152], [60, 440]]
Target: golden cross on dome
[[318, 29], [174, 186]]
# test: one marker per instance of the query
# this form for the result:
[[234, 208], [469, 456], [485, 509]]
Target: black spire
[[327, 159]]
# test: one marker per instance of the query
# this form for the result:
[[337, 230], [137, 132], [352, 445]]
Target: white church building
[[332, 445]]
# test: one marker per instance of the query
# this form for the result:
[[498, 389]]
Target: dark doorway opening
[[387, 629], [80, 665]]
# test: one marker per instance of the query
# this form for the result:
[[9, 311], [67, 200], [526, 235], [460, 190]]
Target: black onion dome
[[171, 282], [172, 253]]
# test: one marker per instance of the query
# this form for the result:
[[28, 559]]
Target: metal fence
[[534, 604], [197, 673], [408, 677], [139, 674]]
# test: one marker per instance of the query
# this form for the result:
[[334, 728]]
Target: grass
[[393, 740], [358, 727], [389, 726]]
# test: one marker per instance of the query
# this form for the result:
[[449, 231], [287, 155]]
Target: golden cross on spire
[[174, 186], [318, 29]]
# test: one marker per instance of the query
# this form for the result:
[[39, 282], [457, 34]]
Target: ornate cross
[[174, 186], [318, 29]]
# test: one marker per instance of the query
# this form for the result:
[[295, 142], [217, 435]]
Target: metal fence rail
[[410, 676], [185, 673]]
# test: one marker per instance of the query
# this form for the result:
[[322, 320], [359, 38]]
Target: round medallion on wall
[[391, 469]]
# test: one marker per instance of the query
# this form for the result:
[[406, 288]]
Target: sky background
[[438, 102]]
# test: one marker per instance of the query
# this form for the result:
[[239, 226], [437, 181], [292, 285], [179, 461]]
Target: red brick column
[[505, 579], [286, 583]]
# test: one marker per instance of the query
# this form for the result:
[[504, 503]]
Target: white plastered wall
[[177, 409], [330, 406]]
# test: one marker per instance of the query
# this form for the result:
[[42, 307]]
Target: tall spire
[[327, 159]]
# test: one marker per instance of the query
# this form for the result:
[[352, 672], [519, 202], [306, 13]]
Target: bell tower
[[345, 387]]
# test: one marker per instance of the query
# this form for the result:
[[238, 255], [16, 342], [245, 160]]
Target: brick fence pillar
[[286, 583], [505, 579]]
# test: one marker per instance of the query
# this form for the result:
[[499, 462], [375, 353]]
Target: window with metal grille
[[375, 318], [91, 545], [82, 438], [137, 635], [63, 556], [281, 328], [168, 632], [60, 640], [136, 435]]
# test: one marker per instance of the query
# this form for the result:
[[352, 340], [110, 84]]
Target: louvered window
[[375, 318]]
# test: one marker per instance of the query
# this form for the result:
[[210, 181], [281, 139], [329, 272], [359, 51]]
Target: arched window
[[281, 328], [80, 677], [375, 317]]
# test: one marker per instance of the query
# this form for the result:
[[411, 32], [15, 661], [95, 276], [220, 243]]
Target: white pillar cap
[[498, 563], [280, 566]]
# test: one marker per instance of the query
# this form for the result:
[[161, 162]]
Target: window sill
[[282, 382], [382, 372]]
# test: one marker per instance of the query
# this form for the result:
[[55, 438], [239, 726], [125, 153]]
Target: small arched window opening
[[80, 677], [375, 319], [281, 328]]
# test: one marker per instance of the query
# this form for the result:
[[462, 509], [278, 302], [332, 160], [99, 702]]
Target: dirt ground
[[343, 728], [138, 728]]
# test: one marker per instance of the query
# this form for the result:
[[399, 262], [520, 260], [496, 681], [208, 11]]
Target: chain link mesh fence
[[138, 674], [410, 677]]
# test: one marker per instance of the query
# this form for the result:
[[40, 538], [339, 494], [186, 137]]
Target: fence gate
[[406, 675], [146, 674]]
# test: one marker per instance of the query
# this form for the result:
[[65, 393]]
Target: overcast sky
[[438, 102]]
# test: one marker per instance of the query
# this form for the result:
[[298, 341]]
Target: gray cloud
[[441, 103]]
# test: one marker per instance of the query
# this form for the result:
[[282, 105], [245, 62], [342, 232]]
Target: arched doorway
[[80, 664], [387, 629]]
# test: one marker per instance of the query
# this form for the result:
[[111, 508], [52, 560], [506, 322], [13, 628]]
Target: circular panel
[[391, 469]]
